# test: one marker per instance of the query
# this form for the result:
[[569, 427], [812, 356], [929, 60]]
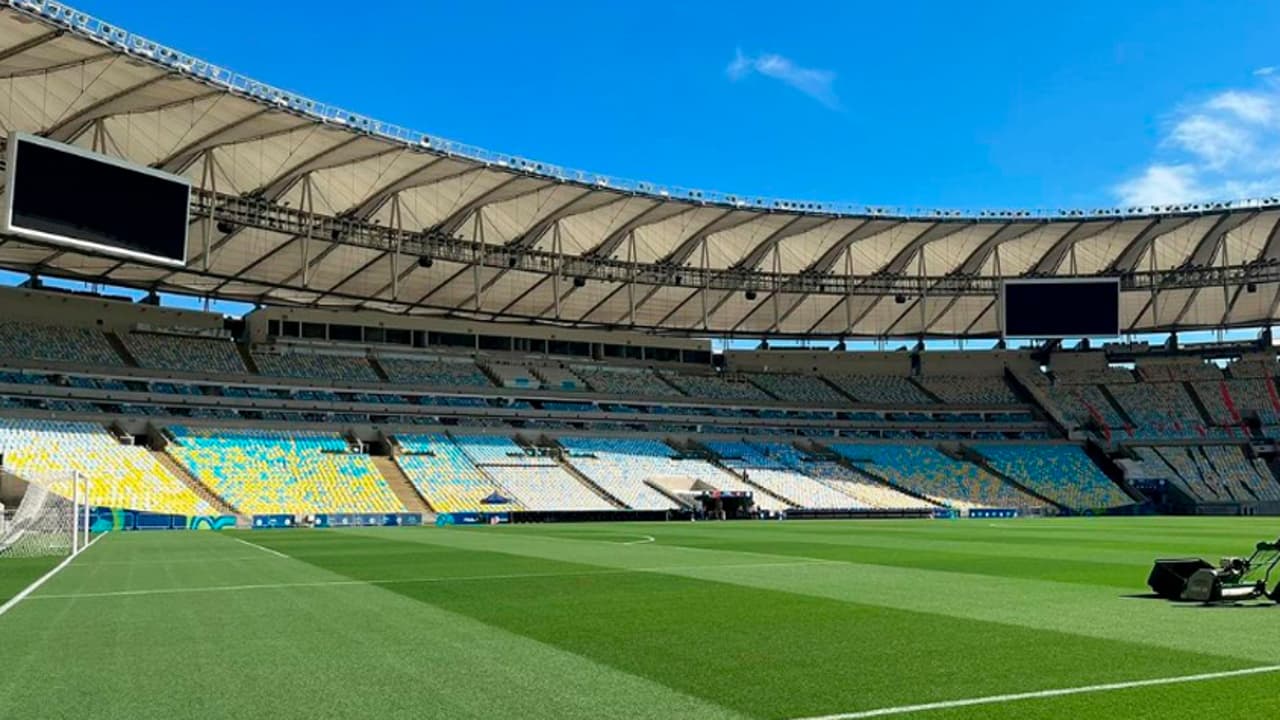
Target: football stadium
[[502, 438]]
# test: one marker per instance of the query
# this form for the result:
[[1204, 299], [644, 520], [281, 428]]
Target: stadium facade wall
[[56, 308], [259, 321]]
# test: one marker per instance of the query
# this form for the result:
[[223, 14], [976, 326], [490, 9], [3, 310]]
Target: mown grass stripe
[[396, 581], [1043, 694]]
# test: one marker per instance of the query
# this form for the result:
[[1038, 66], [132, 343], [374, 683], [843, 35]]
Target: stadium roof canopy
[[313, 205]]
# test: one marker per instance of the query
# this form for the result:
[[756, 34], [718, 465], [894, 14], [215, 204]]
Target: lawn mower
[[1236, 579]]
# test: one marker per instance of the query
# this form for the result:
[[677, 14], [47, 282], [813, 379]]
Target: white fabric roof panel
[[240, 137]]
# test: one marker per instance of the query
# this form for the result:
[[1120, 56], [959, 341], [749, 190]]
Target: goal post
[[51, 516]]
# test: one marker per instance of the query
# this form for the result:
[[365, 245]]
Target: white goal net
[[46, 521]]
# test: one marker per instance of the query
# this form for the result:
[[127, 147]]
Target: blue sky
[[915, 104], [973, 105]]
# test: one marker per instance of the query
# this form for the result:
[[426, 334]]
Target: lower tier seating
[[620, 467], [541, 487], [1062, 473], [1212, 474], [925, 470], [284, 471], [444, 475], [868, 493], [119, 476], [775, 467]]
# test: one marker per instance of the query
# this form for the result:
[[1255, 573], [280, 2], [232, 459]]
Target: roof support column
[[777, 287], [308, 206], [558, 260], [848, 290], [1155, 293], [631, 281], [208, 182], [704, 262], [924, 295], [396, 225], [477, 258], [1226, 291]]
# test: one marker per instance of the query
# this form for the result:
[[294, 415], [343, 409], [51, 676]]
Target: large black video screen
[[1061, 308], [64, 195]]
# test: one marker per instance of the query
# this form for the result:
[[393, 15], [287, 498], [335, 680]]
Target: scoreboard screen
[[1069, 308], [63, 195]]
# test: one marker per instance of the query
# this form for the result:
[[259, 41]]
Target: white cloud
[[816, 83], [1265, 71], [1160, 184], [1214, 141], [1224, 147], [1253, 107]]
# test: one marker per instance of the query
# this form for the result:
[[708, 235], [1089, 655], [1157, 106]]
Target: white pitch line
[[13, 602], [277, 553], [188, 561], [1040, 694], [407, 581], [645, 539]]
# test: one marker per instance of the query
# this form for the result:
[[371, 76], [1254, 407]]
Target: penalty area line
[[1041, 694], [644, 540], [277, 553], [26, 592]]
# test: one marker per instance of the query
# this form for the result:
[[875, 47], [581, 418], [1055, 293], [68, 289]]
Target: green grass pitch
[[680, 620]]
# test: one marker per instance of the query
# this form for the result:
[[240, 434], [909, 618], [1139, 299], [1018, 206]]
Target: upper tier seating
[[316, 367], [626, 382], [966, 390], [1082, 405], [1160, 410], [800, 389], [884, 389], [172, 352], [1062, 473], [618, 466], [925, 470], [1229, 402], [716, 387], [1254, 368], [556, 377], [514, 376], [434, 372], [31, 341], [1101, 376], [1179, 372], [445, 476], [284, 471], [119, 476]]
